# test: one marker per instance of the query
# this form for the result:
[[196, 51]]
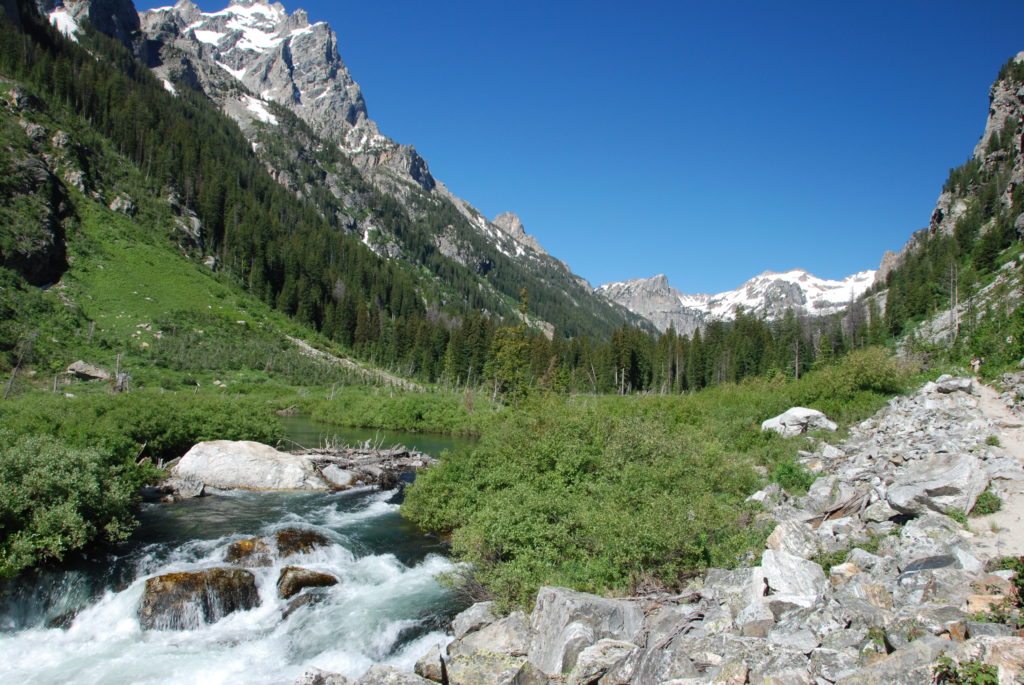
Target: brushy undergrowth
[[70, 467], [55, 498], [140, 424], [601, 493], [466, 413]]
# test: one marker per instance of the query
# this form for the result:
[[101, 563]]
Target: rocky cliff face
[[278, 57], [997, 155], [769, 295]]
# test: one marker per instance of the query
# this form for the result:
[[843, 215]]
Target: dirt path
[[1002, 533], [387, 378]]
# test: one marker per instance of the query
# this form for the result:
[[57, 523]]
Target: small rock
[[337, 477], [795, 538], [291, 541], [474, 618], [509, 635], [792, 579], [803, 641], [251, 552], [598, 659], [294, 579], [841, 573], [941, 483], [315, 676], [946, 384], [565, 623], [912, 664], [982, 629], [87, 372], [983, 604], [388, 675], [431, 665]]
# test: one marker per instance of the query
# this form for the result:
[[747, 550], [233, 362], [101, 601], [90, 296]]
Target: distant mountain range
[[768, 295]]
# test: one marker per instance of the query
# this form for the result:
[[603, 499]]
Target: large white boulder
[[228, 464], [798, 420]]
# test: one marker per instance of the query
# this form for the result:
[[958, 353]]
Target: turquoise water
[[304, 431]]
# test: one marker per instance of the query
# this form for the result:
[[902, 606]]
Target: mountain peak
[[512, 225]]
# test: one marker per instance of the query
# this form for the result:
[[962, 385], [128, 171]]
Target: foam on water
[[383, 609]]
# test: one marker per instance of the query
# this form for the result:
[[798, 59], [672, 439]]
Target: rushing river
[[80, 624]]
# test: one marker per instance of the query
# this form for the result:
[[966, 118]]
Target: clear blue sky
[[708, 141]]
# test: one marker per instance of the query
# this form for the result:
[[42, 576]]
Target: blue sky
[[707, 141]]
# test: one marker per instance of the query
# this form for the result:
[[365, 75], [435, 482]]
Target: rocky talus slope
[[903, 583]]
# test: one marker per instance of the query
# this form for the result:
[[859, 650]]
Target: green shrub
[[958, 515], [987, 503], [992, 440], [971, 672], [826, 560], [434, 412], [793, 477], [594, 495], [55, 499]]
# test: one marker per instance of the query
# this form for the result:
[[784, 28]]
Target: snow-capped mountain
[[279, 57], [768, 295]]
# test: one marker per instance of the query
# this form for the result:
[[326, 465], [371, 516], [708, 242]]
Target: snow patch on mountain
[[65, 23], [259, 109]]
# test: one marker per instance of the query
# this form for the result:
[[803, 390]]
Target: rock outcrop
[[84, 371], [116, 18], [34, 209], [996, 151], [512, 225], [294, 579]]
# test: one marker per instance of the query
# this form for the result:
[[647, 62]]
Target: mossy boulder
[[292, 541], [184, 601]]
